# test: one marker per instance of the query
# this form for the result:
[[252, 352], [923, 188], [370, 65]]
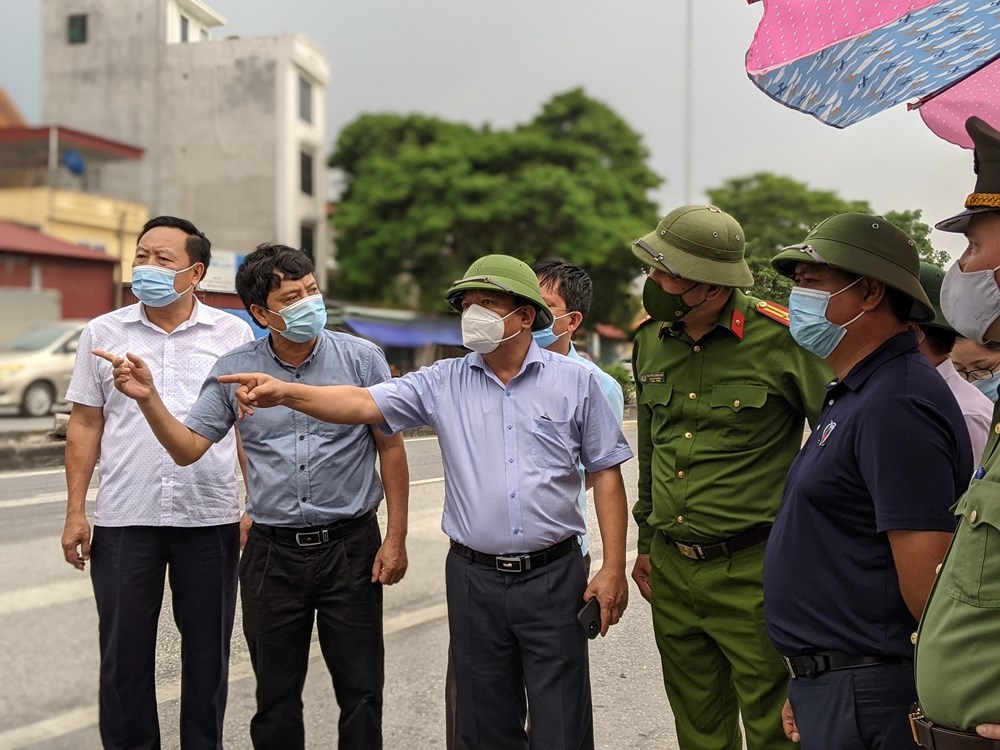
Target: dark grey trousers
[[515, 644]]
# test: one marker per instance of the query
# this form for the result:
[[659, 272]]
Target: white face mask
[[970, 301], [482, 329]]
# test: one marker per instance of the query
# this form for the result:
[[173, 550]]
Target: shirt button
[[913, 638], [298, 375], [681, 519], [510, 460], [692, 396], [689, 435], [510, 427], [830, 402], [302, 467], [305, 499], [938, 568], [997, 429], [680, 474], [302, 437], [973, 516], [696, 348], [512, 494], [736, 404]]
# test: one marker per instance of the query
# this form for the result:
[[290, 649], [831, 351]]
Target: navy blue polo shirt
[[884, 456]]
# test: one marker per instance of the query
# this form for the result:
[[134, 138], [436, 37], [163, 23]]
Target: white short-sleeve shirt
[[140, 485]]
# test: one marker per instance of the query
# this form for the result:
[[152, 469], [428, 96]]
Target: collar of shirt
[[534, 354], [137, 314], [897, 346], [317, 348]]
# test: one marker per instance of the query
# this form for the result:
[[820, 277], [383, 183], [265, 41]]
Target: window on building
[[204, 35], [77, 29], [306, 172], [305, 100], [307, 239], [185, 28]]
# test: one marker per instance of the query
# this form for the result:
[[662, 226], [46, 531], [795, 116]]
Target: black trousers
[[284, 588], [865, 708], [127, 568], [515, 636]]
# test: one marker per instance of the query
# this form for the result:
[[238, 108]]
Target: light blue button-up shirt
[[613, 390], [510, 452], [303, 472]]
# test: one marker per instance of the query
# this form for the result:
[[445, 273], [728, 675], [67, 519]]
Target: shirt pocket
[[972, 570], [736, 415], [550, 444], [656, 397]]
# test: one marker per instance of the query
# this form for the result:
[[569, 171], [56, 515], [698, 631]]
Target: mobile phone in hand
[[589, 618]]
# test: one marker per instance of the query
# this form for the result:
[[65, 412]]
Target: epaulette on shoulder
[[645, 321], [774, 311]]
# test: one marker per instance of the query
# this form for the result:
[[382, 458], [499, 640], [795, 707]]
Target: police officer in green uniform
[[957, 664], [723, 393]]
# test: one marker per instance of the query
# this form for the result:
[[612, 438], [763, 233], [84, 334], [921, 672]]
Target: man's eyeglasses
[[971, 375]]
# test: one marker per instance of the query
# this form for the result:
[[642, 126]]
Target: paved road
[[48, 635], [11, 422]]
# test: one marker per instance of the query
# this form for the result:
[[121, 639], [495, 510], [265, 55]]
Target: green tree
[[425, 197], [909, 222]]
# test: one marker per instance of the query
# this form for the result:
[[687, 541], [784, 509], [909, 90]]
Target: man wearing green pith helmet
[[723, 393]]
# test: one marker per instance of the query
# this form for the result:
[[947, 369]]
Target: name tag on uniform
[[653, 377]]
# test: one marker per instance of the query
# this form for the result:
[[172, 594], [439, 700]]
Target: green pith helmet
[[506, 274], [866, 245], [698, 243], [931, 277]]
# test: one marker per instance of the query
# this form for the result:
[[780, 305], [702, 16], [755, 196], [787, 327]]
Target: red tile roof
[[15, 238]]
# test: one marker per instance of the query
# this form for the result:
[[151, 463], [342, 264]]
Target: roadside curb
[[33, 450]]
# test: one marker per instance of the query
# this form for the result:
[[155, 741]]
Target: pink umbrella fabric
[[979, 94], [845, 60]]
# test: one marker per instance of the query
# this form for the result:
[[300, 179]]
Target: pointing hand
[[131, 375]]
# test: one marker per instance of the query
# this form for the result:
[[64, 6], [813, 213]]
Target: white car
[[35, 367]]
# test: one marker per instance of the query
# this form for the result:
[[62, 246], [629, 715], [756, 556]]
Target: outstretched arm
[[133, 378], [339, 404]]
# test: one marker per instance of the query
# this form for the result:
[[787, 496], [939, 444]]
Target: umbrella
[[946, 112], [845, 60]]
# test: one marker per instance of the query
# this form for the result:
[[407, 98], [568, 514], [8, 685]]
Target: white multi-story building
[[233, 129]]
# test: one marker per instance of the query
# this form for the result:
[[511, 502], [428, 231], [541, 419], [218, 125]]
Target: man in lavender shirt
[[513, 422]]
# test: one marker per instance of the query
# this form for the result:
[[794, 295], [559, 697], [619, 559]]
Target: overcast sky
[[498, 62]]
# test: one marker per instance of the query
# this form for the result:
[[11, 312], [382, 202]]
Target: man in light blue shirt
[[568, 291], [514, 421]]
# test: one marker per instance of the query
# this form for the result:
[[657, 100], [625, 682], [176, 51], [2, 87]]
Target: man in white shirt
[[936, 341], [152, 515]]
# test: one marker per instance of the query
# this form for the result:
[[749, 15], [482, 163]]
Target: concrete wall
[[84, 288], [218, 120]]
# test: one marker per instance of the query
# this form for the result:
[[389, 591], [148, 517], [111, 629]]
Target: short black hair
[[568, 281], [939, 340], [259, 274], [197, 245]]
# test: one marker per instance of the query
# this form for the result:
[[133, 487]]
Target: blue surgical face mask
[[808, 322], [547, 337], [154, 285], [304, 319], [988, 386]]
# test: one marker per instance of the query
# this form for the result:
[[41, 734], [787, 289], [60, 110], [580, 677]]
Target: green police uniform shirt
[[957, 661], [720, 420]]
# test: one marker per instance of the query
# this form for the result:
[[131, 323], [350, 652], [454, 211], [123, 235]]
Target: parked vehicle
[[35, 367]]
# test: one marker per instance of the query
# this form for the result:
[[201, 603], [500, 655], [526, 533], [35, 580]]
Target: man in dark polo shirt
[[865, 516]]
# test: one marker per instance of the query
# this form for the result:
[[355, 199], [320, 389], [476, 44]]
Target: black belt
[[928, 734], [517, 563], [314, 536], [810, 665], [708, 550]]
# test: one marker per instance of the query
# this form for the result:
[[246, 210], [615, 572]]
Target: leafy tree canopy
[[425, 197]]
